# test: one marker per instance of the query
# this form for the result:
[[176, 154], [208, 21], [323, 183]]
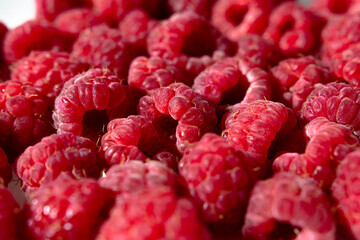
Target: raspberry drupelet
[[32, 35], [47, 71], [88, 101], [25, 117], [286, 199], [67, 209], [345, 190], [58, 153], [328, 145], [194, 114], [236, 18], [218, 178], [338, 102], [154, 214], [104, 47]]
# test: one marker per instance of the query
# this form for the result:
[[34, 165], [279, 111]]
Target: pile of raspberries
[[181, 120]]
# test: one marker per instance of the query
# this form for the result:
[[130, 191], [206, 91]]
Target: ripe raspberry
[[104, 47], [47, 71], [25, 117], [338, 102], [32, 35], [88, 101], [59, 153], [186, 34], [293, 79], [216, 80], [217, 178], [3, 31], [329, 143], [194, 114], [287, 199], [153, 214], [201, 7], [252, 127], [136, 26], [49, 9], [329, 8], [10, 216], [294, 28], [68, 209], [167, 158], [236, 18], [135, 176], [154, 72], [5, 169], [115, 10], [73, 21], [345, 191]]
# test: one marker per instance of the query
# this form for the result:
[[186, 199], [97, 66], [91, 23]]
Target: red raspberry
[[136, 176], [329, 143], [236, 18], [75, 20], [115, 10], [68, 209], [104, 47], [10, 217], [293, 79], [217, 178], [153, 214], [32, 35], [194, 114], [287, 199], [154, 72], [294, 28], [169, 159], [3, 31], [59, 153], [338, 102], [186, 34], [88, 101], [47, 71], [201, 7], [49, 9], [252, 127], [5, 169], [345, 191], [136, 26], [25, 117], [329, 8], [216, 80]]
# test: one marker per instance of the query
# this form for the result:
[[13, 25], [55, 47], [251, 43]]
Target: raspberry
[[329, 143], [88, 101], [115, 10], [293, 79], [236, 18], [68, 209], [186, 34], [287, 199], [49, 9], [59, 153], [136, 26], [217, 178], [345, 191], [47, 71], [194, 114], [32, 35], [3, 31], [10, 217], [5, 169], [75, 20], [201, 7], [329, 8], [154, 72], [153, 214], [294, 28], [104, 47], [136, 176], [25, 117], [167, 158], [214, 81], [339, 102], [252, 127]]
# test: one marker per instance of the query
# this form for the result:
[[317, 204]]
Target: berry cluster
[[181, 119]]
